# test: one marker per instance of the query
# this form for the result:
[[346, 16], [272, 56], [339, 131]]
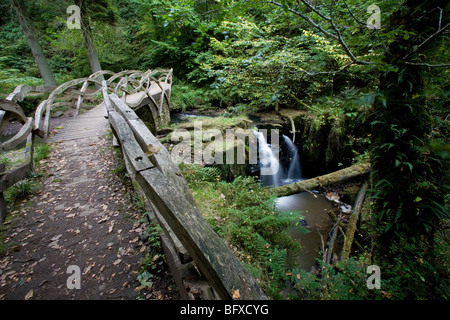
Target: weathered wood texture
[[164, 186], [18, 138], [10, 178], [161, 159], [9, 108], [21, 90], [14, 109], [322, 181]]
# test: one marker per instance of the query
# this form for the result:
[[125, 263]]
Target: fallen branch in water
[[351, 227], [332, 241], [322, 181]]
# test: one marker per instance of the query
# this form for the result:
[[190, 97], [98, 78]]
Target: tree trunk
[[409, 185], [322, 181], [89, 41], [36, 49], [351, 228]]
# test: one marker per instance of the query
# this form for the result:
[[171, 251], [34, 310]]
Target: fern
[[196, 173], [277, 264], [262, 248]]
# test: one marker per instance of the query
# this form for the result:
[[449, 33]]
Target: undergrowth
[[243, 213], [23, 189], [16, 195]]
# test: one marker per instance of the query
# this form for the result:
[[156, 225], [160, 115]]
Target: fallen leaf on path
[[111, 227], [29, 295], [103, 219], [56, 237]]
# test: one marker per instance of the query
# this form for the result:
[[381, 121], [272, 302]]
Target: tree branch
[[351, 13], [310, 21], [326, 72], [441, 65], [337, 36], [438, 32], [306, 3]]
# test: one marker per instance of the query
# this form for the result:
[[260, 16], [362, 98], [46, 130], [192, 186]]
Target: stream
[[281, 164], [313, 206], [314, 209]]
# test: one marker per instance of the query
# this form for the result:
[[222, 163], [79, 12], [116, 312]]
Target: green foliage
[[7, 162], [153, 264], [251, 55], [278, 265], [344, 281], [19, 191], [242, 212], [41, 152], [152, 236], [187, 97]]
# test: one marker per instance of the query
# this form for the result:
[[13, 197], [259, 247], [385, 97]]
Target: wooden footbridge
[[199, 259]]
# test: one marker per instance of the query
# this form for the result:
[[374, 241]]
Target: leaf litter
[[103, 244]]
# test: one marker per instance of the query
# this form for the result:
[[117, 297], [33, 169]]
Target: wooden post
[[3, 208], [351, 229]]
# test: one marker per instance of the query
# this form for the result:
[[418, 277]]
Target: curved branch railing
[[128, 81], [8, 109], [150, 165]]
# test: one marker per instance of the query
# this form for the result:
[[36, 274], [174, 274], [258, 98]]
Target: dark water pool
[[314, 209]]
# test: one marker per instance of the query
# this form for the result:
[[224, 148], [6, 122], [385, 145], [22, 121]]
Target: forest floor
[[83, 215]]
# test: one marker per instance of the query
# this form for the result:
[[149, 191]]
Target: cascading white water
[[272, 171], [313, 207], [294, 172], [269, 163]]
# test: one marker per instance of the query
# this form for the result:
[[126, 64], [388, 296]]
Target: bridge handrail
[[8, 107], [164, 186], [126, 78]]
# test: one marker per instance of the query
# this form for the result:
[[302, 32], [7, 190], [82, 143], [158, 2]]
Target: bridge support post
[[3, 208]]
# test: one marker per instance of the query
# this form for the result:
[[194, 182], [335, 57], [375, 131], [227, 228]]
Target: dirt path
[[81, 217]]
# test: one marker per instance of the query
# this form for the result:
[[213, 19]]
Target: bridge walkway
[[82, 216]]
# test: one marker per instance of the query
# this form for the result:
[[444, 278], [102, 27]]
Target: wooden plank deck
[[89, 124]]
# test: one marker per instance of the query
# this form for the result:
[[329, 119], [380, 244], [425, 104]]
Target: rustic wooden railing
[[126, 82], [152, 89], [149, 162], [163, 185], [9, 108]]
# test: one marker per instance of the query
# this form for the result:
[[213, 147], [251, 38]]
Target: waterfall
[[273, 172], [269, 163], [294, 172]]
